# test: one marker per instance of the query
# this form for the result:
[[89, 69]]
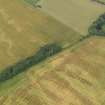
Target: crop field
[[70, 78], [23, 30], [74, 76], [78, 14]]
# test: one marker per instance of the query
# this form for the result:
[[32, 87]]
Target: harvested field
[[24, 29], [75, 76], [77, 79], [77, 14]]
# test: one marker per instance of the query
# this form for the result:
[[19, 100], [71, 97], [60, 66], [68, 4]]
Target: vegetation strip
[[100, 1], [43, 53], [78, 41], [34, 3], [98, 27]]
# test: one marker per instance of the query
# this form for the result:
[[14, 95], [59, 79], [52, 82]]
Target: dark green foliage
[[97, 28], [100, 1], [44, 52], [83, 38], [32, 2]]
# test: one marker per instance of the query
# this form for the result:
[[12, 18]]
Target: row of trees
[[43, 53], [33, 2], [98, 27]]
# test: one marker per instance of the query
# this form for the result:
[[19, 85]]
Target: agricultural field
[[70, 78], [24, 29], [77, 14], [74, 76]]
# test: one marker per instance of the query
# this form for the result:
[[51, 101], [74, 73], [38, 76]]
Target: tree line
[[98, 26], [34, 3], [23, 65]]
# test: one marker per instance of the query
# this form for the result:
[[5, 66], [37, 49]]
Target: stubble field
[[75, 76], [24, 29]]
